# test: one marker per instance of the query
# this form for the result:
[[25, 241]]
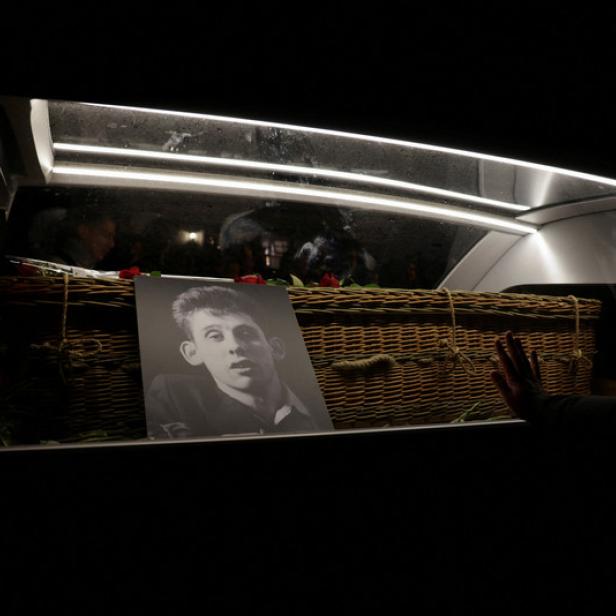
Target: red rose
[[329, 280], [130, 273], [250, 279]]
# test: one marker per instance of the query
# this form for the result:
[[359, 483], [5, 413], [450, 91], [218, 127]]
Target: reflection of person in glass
[[86, 237], [307, 241], [223, 335]]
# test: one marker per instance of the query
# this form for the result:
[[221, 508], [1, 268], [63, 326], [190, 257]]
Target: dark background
[[447, 521]]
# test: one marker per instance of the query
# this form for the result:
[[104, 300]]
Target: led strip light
[[290, 169], [276, 190]]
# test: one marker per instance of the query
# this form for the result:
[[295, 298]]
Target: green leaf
[[296, 282]]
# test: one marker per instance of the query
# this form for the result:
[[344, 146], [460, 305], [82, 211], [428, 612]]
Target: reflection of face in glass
[[98, 238], [234, 350]]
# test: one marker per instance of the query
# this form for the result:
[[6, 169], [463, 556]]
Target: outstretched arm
[[519, 382]]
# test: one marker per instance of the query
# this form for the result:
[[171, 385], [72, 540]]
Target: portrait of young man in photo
[[233, 345]]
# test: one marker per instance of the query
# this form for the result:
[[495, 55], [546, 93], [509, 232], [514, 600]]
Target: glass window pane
[[206, 235]]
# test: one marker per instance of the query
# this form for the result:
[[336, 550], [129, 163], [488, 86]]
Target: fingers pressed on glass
[[534, 358], [517, 354], [503, 387], [506, 362], [508, 394], [523, 358]]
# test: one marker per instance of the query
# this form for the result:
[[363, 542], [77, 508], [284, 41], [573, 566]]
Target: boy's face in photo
[[233, 348]]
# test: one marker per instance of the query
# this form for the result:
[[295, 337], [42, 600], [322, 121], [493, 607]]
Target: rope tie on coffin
[[453, 352], [454, 356], [67, 352], [577, 355]]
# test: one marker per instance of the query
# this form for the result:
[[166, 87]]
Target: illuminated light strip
[[261, 166], [259, 188], [334, 133]]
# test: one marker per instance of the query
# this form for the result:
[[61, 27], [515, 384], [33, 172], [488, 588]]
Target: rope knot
[[576, 358], [76, 349], [70, 355], [457, 358], [577, 355]]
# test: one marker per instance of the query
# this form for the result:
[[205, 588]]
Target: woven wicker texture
[[426, 370], [381, 356]]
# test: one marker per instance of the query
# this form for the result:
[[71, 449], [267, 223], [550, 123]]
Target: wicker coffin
[[382, 357]]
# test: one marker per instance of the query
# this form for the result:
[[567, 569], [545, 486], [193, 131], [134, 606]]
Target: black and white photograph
[[223, 359]]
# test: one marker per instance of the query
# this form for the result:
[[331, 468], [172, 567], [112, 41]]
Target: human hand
[[520, 383]]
